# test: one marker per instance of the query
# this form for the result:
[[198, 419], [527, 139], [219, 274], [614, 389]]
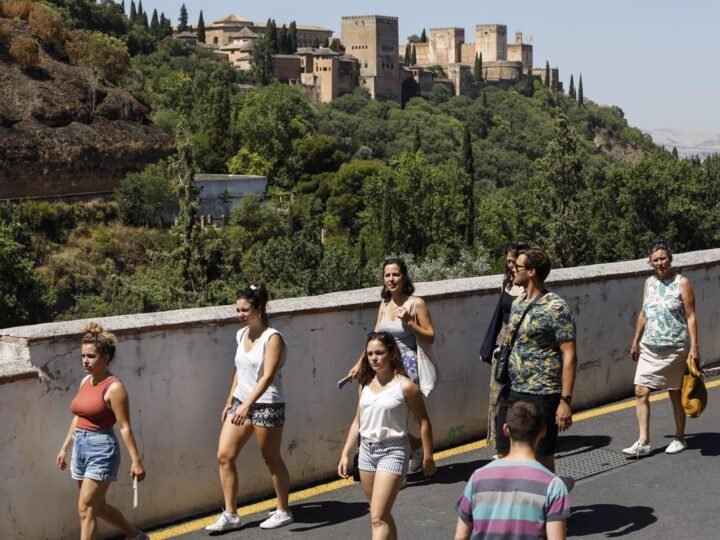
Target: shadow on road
[[707, 443], [568, 445], [315, 515], [453, 473], [612, 520]]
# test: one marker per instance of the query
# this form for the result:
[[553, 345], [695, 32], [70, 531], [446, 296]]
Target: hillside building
[[223, 31]]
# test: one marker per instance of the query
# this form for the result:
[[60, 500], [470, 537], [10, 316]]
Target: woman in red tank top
[[100, 402]]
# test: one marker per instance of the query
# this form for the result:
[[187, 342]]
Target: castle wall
[[422, 54], [467, 53], [496, 71], [491, 41], [521, 52], [445, 45]]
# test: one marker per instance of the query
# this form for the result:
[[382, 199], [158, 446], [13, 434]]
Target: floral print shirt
[[535, 360], [665, 320]]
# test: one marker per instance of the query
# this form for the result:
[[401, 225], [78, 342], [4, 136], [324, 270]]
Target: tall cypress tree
[[122, 5], [155, 25], [133, 12], [201, 28], [140, 10], [413, 56], [271, 33], [144, 20], [580, 97], [183, 23], [469, 188], [547, 73], [262, 61], [423, 37], [292, 37], [283, 40], [571, 90], [477, 70], [408, 55]]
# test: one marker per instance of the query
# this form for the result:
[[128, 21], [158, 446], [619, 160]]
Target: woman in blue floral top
[[666, 331]]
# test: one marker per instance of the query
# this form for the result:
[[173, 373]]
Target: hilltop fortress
[[373, 57]]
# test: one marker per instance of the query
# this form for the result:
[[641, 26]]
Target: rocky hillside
[[63, 130]]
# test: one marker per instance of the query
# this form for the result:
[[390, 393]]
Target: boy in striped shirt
[[515, 497]]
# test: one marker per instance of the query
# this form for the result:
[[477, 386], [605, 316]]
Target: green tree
[[271, 33], [247, 162], [571, 90], [292, 37], [468, 164], [183, 21], [270, 120], [155, 24], [417, 141], [580, 96], [133, 12], [563, 183], [144, 199], [413, 56], [477, 69], [26, 297], [408, 55], [345, 203], [262, 60], [201, 28], [423, 36], [547, 73], [283, 40]]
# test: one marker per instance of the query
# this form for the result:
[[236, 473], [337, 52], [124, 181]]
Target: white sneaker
[[416, 461], [226, 522], [277, 519], [569, 482], [675, 447], [637, 450]]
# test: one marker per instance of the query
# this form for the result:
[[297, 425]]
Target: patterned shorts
[[390, 456], [409, 358], [262, 414]]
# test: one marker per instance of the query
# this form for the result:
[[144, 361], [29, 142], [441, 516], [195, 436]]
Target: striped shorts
[[390, 456]]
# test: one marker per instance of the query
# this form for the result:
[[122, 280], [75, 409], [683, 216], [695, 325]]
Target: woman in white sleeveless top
[[386, 395], [407, 318], [256, 404]]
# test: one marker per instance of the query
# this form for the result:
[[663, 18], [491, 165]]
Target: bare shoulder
[[116, 389], [409, 388]]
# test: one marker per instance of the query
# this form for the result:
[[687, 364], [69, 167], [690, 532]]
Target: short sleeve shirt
[[535, 360], [513, 499]]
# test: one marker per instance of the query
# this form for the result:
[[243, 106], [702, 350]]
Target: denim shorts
[[390, 456], [96, 455]]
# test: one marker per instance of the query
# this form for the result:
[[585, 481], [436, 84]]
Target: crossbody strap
[[519, 324]]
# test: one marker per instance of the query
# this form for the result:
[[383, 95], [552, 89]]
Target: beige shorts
[[661, 368]]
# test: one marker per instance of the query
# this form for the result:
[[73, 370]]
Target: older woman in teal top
[[666, 331]]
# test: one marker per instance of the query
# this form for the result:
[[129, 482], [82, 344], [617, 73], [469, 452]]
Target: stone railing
[[178, 365]]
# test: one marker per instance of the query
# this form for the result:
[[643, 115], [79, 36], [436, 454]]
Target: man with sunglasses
[[542, 359]]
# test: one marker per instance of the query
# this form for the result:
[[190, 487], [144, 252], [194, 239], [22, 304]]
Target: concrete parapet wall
[[178, 365]]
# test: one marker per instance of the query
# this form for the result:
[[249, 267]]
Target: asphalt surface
[[656, 497]]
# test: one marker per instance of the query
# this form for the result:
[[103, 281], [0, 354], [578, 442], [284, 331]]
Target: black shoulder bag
[[502, 359]]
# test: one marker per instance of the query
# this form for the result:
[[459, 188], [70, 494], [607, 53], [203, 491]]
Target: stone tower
[[521, 52], [491, 42], [373, 40], [446, 45]]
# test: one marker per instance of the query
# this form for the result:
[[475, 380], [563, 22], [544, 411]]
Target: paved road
[[657, 497]]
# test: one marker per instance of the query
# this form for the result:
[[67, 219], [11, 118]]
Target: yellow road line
[[269, 504]]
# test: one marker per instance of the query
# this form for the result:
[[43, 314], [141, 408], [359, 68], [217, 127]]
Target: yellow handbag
[[694, 394]]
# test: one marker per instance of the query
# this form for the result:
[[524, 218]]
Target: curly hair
[[104, 342], [366, 371]]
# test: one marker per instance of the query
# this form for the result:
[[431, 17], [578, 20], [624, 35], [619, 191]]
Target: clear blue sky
[[655, 59]]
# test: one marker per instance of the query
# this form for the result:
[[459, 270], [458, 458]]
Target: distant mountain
[[688, 143]]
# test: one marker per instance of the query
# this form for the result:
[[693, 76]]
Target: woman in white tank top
[[255, 405], [386, 395]]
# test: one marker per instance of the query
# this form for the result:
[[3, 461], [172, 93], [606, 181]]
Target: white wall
[[177, 367]]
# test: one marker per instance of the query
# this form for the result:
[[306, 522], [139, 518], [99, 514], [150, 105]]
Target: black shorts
[[547, 402]]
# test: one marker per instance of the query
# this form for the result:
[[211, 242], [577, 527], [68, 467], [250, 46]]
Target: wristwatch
[[566, 399]]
